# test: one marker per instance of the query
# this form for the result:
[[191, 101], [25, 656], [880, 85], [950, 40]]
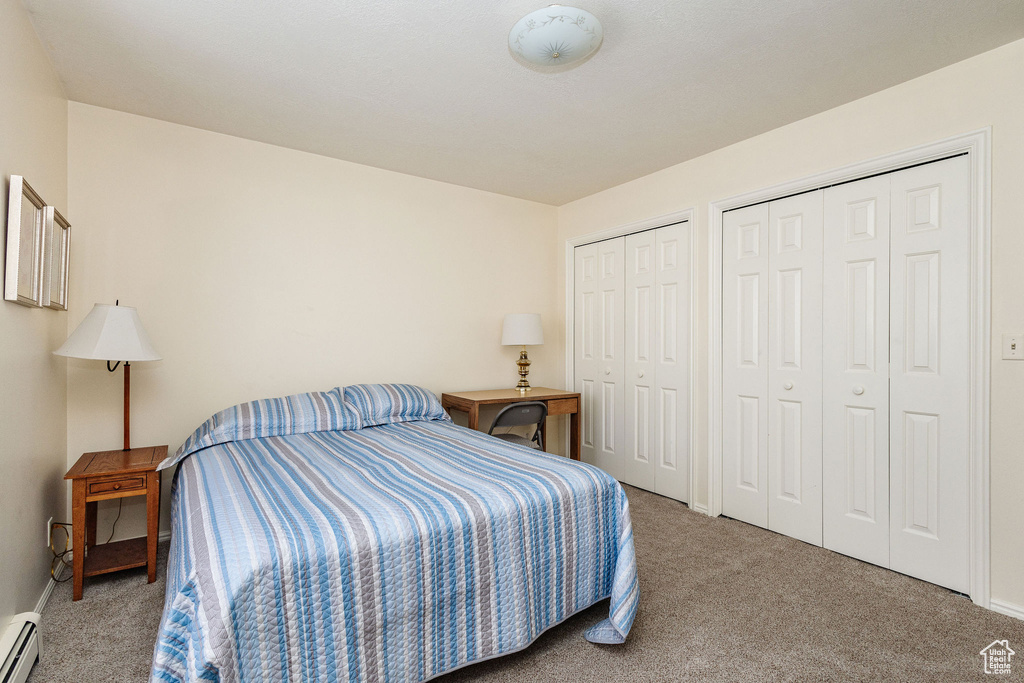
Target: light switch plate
[[1013, 346]]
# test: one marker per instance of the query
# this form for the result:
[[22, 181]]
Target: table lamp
[[112, 333], [522, 329]]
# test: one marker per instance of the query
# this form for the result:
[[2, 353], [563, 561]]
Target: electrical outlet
[[49, 532], [1013, 346]]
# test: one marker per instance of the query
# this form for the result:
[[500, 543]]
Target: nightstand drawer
[[116, 485]]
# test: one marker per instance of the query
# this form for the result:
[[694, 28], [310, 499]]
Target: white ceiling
[[430, 89]]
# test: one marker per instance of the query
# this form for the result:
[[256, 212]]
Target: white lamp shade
[[555, 36], [110, 333], [522, 329]]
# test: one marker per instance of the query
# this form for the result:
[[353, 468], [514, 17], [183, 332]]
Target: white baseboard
[[45, 596], [50, 585], [1007, 608], [163, 536], [703, 509]]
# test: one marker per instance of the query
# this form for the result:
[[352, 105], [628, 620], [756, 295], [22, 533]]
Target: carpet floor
[[720, 601]]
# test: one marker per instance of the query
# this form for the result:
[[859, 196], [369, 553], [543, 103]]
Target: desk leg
[[90, 523], [574, 435], [78, 530], [152, 522], [544, 435], [474, 416]]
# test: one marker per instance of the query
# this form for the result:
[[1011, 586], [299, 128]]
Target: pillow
[[321, 411], [378, 404]]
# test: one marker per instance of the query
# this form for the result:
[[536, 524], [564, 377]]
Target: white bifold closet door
[[929, 381], [599, 354], [855, 471], [657, 400], [896, 376], [631, 351], [772, 365], [845, 408], [745, 364], [794, 366]]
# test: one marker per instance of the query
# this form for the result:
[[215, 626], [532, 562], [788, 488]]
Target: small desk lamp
[[112, 332], [522, 329]]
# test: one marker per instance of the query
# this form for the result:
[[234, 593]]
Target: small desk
[[102, 476], [559, 402]]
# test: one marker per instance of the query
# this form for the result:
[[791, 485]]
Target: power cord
[[114, 525], [60, 558]]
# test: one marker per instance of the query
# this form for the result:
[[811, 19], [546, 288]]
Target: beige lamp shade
[[522, 329], [110, 333]]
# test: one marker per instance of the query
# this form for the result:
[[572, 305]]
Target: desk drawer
[[563, 406], [116, 485]]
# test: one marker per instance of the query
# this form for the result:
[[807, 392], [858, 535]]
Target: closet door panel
[[671, 398], [794, 366], [745, 364], [855, 464], [610, 438], [639, 372], [586, 345], [930, 382]]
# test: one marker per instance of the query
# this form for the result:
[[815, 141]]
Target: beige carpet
[[720, 601]]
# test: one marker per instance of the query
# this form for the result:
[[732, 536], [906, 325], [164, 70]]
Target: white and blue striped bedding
[[319, 411], [378, 404], [396, 552]]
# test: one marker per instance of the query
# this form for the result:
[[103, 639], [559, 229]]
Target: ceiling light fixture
[[555, 36]]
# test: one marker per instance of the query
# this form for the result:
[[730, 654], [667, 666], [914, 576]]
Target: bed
[[360, 535]]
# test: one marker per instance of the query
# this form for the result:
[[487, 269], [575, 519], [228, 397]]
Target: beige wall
[[987, 90], [261, 271], [33, 143]]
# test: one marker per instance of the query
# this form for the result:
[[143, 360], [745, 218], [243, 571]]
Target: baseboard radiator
[[20, 648]]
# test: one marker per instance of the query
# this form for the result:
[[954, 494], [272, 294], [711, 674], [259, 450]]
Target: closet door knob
[[640, 374], [607, 371], [858, 390], [787, 386]]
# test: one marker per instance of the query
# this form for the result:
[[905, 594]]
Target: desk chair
[[519, 415]]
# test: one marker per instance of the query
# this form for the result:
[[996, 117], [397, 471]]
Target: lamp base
[[524, 370]]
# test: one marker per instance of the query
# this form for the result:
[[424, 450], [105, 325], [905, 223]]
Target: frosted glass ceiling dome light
[[555, 36]]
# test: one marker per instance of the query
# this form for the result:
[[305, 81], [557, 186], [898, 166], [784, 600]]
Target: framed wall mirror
[[23, 277]]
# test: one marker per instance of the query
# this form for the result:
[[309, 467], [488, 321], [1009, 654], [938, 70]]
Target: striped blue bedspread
[[391, 553]]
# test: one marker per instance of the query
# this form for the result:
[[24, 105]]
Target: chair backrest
[[520, 414]]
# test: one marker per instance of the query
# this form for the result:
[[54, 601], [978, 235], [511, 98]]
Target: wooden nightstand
[[114, 474]]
